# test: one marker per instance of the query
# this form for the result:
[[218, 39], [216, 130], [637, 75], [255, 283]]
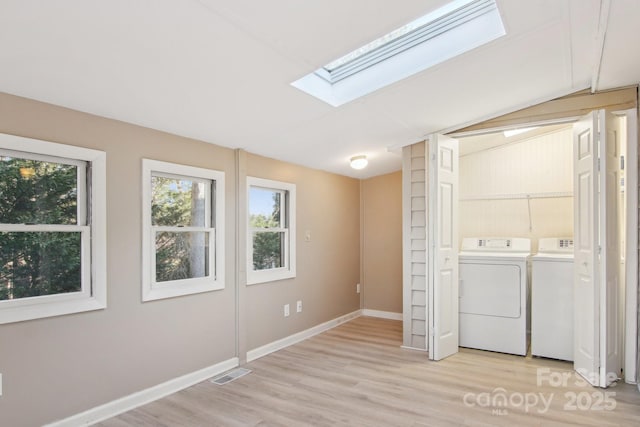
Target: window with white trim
[[271, 233], [183, 230], [52, 229]]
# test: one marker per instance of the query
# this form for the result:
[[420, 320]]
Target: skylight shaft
[[408, 36], [452, 30]]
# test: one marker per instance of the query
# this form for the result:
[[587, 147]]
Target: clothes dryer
[[493, 294]]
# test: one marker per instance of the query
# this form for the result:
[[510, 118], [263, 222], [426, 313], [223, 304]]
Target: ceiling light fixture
[[359, 162]]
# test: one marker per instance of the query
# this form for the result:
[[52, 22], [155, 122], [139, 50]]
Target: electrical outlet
[[358, 288], [286, 310], [299, 306]]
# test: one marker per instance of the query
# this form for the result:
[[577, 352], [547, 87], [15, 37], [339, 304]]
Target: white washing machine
[[552, 299], [494, 294]]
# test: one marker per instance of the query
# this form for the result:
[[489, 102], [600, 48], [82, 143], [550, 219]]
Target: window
[[52, 229], [183, 230], [455, 28], [271, 230]]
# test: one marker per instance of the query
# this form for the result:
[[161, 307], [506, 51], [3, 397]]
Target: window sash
[[43, 227], [215, 220], [82, 227], [211, 259], [285, 248], [91, 193], [286, 227], [82, 167], [209, 185], [86, 290], [209, 195], [284, 196]]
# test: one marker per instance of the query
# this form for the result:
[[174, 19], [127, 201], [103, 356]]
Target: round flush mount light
[[359, 162]]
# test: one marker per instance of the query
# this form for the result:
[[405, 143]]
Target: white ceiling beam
[[603, 23]]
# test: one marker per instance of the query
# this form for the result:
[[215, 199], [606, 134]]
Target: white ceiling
[[220, 70]]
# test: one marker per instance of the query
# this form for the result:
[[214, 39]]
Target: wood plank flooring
[[357, 375]]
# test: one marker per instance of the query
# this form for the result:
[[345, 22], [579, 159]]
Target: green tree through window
[[179, 203], [267, 245], [271, 230], [36, 192]]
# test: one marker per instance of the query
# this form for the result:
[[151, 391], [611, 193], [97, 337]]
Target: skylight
[[451, 30]]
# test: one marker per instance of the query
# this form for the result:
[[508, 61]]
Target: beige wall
[[56, 367], [382, 242], [541, 167], [327, 266]]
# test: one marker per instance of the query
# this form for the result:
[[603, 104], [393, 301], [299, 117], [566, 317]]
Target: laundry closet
[[516, 195], [517, 184], [516, 227], [527, 196]]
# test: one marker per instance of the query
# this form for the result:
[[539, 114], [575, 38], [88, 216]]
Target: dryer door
[[490, 289]]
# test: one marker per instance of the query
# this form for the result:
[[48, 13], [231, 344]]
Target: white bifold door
[[443, 247], [596, 271]]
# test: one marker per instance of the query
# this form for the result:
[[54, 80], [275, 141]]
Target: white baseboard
[[134, 400], [257, 353], [124, 404], [382, 314], [414, 348]]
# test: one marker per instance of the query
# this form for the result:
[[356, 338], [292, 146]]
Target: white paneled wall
[[415, 246], [521, 189]]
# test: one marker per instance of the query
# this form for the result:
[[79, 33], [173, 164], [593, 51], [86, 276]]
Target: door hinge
[[432, 332], [598, 164]]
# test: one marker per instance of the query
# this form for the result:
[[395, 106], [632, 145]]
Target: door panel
[[597, 353], [443, 238], [586, 314], [610, 258]]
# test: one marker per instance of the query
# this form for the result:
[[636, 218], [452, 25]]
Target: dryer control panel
[[496, 244]]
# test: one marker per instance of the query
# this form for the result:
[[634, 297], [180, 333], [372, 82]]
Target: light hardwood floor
[[357, 375]]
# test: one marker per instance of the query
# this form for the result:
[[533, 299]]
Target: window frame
[[91, 224], [287, 226], [214, 225]]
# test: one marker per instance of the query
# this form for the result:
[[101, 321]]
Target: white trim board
[[134, 400], [382, 314], [261, 351], [424, 350]]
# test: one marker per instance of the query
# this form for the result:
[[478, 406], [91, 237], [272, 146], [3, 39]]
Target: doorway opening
[[523, 186]]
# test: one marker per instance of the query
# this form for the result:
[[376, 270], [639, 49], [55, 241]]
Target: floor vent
[[230, 376]]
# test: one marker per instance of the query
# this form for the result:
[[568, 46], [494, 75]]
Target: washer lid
[[554, 245], [553, 257]]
